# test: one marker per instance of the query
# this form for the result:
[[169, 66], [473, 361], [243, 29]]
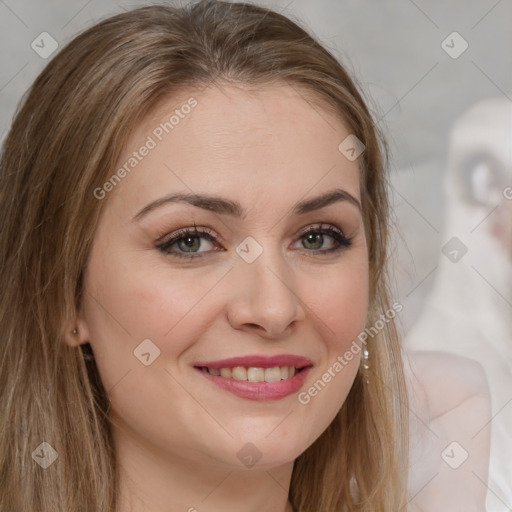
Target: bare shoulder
[[438, 369], [450, 409], [445, 380]]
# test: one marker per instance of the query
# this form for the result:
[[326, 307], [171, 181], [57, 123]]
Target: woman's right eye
[[188, 243]]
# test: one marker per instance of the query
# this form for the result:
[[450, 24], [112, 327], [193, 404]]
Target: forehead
[[272, 140]]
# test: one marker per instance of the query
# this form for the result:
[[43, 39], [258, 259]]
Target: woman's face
[[252, 289]]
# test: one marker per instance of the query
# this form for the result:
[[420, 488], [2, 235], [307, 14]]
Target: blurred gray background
[[422, 88]]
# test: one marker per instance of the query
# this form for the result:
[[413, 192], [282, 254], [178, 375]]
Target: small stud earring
[[366, 362], [366, 359], [74, 331]]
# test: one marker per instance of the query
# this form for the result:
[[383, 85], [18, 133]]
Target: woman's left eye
[[188, 241], [315, 235]]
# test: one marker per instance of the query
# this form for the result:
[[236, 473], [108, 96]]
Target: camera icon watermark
[[44, 45], [351, 147], [45, 455], [454, 249], [454, 45], [146, 352], [249, 249], [454, 455], [249, 455]]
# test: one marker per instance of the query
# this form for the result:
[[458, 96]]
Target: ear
[[77, 332]]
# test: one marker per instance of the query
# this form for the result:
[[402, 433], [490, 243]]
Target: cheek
[[345, 306], [339, 301], [339, 307], [129, 301], [124, 307]]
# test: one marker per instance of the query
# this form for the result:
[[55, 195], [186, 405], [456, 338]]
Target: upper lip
[[258, 361]]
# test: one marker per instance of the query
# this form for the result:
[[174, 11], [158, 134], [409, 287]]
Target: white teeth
[[239, 373], [273, 374], [225, 372], [254, 374]]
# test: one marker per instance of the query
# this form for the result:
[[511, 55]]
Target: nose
[[264, 296]]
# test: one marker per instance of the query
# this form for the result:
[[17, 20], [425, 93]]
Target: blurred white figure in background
[[469, 309]]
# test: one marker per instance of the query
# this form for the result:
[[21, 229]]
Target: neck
[[157, 482]]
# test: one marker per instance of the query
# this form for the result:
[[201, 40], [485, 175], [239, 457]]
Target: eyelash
[[342, 240]]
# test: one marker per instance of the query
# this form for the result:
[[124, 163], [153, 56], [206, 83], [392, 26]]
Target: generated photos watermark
[[152, 140], [342, 361]]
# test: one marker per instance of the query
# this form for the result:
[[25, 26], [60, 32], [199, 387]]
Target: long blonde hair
[[65, 140]]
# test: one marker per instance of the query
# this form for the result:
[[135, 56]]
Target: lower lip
[[259, 390]]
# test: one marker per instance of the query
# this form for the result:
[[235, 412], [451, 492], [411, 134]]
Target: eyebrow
[[234, 208]]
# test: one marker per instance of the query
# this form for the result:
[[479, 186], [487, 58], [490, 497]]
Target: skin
[[176, 434], [449, 403]]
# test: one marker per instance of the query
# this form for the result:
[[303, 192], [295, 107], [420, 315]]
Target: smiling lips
[[258, 377]]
